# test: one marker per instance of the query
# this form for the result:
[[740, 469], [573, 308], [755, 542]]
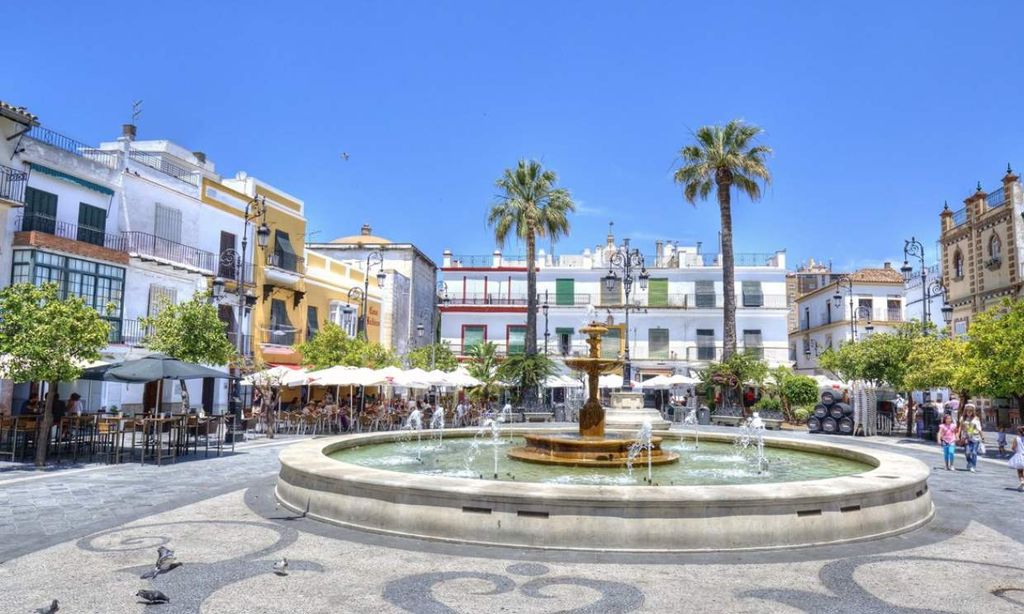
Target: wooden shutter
[[516, 339], [657, 343], [167, 223], [473, 335], [657, 292], [92, 223], [40, 211], [706, 294], [312, 322], [159, 298], [613, 296], [565, 291], [752, 295]]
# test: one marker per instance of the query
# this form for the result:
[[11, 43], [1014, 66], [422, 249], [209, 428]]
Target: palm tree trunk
[[43, 437], [728, 272], [531, 294]]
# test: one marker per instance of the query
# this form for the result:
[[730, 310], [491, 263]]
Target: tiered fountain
[[591, 447]]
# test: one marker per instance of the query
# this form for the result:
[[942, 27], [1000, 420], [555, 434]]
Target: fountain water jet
[[642, 444], [691, 418], [415, 423]]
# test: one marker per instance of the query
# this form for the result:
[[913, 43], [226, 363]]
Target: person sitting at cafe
[[30, 406], [75, 406]]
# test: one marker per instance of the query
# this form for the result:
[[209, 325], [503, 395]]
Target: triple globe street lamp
[[915, 249], [627, 261]]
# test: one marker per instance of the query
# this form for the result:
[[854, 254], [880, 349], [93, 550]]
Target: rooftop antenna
[[136, 110]]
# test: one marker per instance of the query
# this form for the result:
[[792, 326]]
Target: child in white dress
[[1017, 460]]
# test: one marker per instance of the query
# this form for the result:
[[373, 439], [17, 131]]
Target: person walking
[[1017, 460], [971, 434], [947, 439]]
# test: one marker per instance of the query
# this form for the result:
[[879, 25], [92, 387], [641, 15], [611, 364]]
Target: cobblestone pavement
[[970, 558]]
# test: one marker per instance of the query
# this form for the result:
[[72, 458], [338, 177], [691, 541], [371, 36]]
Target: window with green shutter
[[92, 222], [657, 343], [611, 343], [752, 294], [706, 298], [473, 335], [40, 211], [565, 291], [516, 339], [657, 292]]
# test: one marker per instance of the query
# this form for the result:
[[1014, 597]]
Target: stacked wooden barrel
[[831, 415]]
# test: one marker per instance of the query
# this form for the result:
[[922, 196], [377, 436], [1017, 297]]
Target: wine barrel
[[846, 425], [829, 425], [846, 408], [828, 397], [836, 411], [821, 410], [813, 424]]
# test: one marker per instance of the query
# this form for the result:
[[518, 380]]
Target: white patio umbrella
[[278, 376], [681, 380], [461, 378]]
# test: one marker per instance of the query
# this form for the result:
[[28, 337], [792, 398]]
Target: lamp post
[[375, 257], [915, 249], [628, 262], [254, 209], [547, 333], [441, 299], [837, 301]]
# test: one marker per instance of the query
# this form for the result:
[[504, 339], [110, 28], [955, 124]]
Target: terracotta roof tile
[[878, 276], [18, 114]]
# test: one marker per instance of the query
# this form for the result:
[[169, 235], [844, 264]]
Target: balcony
[[129, 332], [281, 336], [246, 349], [105, 157], [146, 245], [36, 222], [12, 185], [159, 162], [488, 299], [283, 270]]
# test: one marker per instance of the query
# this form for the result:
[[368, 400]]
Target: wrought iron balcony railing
[[146, 244], [108, 158], [12, 184], [37, 222], [160, 162]]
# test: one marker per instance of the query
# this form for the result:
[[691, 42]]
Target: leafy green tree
[[190, 331], [527, 372], [942, 362], [793, 390], [332, 347], [435, 356], [881, 358], [46, 338], [530, 207], [732, 374], [723, 157], [995, 351], [483, 365]]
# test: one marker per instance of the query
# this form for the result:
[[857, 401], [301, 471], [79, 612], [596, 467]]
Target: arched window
[[995, 248], [958, 264]]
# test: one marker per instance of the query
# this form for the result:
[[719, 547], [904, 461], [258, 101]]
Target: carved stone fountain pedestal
[[591, 447]]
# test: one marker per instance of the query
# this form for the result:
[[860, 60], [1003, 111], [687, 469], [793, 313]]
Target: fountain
[[641, 445], [591, 447], [691, 418], [437, 423], [751, 437], [415, 423]]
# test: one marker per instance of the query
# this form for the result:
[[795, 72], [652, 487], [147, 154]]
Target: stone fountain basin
[[889, 499], [569, 449]]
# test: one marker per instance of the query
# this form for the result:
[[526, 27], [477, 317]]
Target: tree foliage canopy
[[881, 358], [527, 372], [728, 149], [332, 347], [191, 331], [46, 338], [995, 351], [792, 389], [483, 365], [441, 353]]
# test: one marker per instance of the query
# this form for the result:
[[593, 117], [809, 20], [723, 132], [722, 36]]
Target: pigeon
[[54, 606], [281, 567], [165, 561], [344, 156], [151, 597]]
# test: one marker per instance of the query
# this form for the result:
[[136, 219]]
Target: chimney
[[128, 132], [200, 157], [365, 230], [887, 265]]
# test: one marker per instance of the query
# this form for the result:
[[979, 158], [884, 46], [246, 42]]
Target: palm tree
[[530, 207], [483, 365], [723, 157]]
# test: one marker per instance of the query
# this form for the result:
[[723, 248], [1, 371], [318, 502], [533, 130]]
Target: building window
[[705, 297], [752, 294], [167, 224], [284, 257], [312, 322], [515, 336], [611, 343], [281, 330], [564, 336], [894, 310], [959, 328], [958, 264], [92, 224], [657, 292], [40, 211], [705, 344], [753, 344], [565, 291], [343, 315], [995, 251], [865, 309], [828, 340], [657, 343], [473, 335], [613, 296], [101, 286]]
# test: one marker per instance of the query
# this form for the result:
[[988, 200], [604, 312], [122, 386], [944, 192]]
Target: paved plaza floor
[[84, 536]]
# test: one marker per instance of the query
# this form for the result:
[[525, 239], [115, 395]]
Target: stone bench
[[537, 416]]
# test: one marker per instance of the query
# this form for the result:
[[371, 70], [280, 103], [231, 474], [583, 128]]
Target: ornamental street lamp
[[915, 249], [547, 333], [234, 261], [441, 299], [375, 257], [837, 301], [627, 262]]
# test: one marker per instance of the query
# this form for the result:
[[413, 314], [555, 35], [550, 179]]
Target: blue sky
[[877, 111]]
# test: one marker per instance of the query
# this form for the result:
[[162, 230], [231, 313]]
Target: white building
[[674, 324], [914, 292], [121, 225], [410, 287], [867, 301]]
